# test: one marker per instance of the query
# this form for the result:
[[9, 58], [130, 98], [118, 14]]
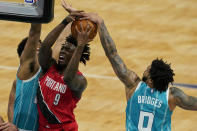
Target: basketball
[[84, 24]]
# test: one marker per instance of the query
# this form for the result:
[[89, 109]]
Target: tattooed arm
[[182, 100], [128, 77]]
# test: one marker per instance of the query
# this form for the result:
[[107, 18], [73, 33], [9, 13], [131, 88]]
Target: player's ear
[[150, 82]]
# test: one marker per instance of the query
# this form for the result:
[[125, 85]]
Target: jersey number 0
[[141, 121]]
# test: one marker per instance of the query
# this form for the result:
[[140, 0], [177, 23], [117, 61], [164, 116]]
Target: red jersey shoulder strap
[[79, 73]]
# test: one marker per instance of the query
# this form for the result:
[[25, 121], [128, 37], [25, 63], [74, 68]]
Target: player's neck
[[149, 84], [61, 68]]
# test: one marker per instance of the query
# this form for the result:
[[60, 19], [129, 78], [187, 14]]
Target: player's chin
[[61, 63]]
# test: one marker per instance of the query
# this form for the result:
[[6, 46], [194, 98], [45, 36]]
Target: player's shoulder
[[174, 90]]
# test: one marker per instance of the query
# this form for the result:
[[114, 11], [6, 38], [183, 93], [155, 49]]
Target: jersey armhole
[[33, 77], [138, 86], [43, 73], [167, 94], [79, 73]]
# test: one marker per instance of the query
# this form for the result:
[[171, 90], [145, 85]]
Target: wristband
[[65, 21]]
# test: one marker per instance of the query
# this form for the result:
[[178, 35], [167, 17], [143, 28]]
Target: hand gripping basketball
[[85, 24]]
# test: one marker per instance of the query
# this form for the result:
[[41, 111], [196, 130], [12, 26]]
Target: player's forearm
[[54, 34], [189, 103], [193, 101], [33, 40], [73, 65], [106, 41], [45, 52], [35, 28], [111, 52], [10, 112], [35, 31]]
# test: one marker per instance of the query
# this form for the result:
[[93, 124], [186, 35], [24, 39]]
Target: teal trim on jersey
[[25, 105], [148, 110]]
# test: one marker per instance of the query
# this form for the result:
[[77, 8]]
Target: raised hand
[[83, 34], [8, 127], [94, 17], [73, 16], [68, 7]]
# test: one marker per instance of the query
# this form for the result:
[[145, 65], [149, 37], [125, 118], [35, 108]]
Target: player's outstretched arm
[[10, 111], [70, 74], [68, 6], [45, 53], [128, 77], [32, 42], [182, 100]]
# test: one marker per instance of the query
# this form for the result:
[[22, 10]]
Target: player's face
[[65, 54], [146, 74]]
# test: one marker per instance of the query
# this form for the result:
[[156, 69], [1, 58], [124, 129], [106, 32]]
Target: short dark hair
[[161, 74], [86, 51], [21, 46]]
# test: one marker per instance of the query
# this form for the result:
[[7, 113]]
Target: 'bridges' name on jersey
[[150, 100]]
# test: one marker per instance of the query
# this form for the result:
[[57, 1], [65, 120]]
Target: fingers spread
[[84, 18], [87, 28], [79, 11], [89, 40], [76, 14], [90, 30], [81, 25], [77, 29], [72, 18], [4, 126]]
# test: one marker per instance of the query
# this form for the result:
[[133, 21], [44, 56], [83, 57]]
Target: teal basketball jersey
[[148, 110], [25, 105]]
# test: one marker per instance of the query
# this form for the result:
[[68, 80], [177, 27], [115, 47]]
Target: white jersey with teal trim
[[148, 110], [25, 105]]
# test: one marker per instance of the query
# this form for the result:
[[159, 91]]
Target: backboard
[[37, 11]]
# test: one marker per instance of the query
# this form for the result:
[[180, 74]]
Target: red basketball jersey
[[56, 102]]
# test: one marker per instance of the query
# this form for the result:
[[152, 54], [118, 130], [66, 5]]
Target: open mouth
[[61, 58]]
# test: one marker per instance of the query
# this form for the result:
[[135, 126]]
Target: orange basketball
[[84, 24]]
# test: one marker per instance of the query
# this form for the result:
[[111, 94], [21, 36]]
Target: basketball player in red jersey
[[61, 84]]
